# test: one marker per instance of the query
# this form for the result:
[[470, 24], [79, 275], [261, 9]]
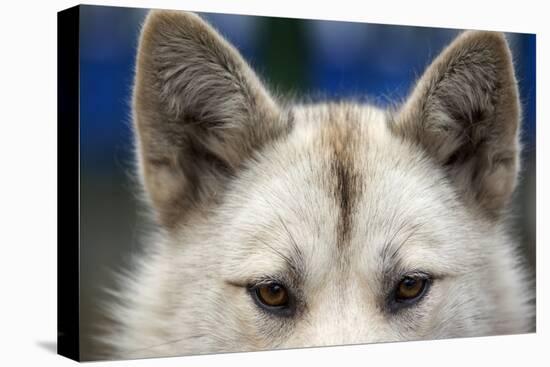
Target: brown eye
[[272, 295], [410, 289]]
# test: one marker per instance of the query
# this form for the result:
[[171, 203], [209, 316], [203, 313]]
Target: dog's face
[[343, 233], [290, 226]]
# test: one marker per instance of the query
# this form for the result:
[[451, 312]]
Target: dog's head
[[330, 223]]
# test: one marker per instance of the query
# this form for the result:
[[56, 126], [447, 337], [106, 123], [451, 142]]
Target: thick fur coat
[[337, 202]]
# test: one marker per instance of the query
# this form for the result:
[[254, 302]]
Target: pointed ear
[[465, 113], [199, 113]]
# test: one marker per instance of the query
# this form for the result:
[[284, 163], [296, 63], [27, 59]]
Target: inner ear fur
[[465, 113], [199, 113]]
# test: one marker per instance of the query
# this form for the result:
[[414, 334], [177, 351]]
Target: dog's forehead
[[338, 124], [339, 187]]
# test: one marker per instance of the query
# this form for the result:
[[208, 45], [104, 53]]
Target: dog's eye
[[272, 295], [410, 289]]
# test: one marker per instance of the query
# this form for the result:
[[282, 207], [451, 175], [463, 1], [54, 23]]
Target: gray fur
[[465, 112], [339, 200]]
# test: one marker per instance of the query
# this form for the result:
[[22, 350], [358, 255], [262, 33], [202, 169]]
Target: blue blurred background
[[319, 59]]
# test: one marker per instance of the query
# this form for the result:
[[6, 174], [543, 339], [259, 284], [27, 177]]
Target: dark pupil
[[274, 289], [409, 283]]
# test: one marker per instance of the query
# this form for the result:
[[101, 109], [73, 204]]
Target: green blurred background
[[317, 59]]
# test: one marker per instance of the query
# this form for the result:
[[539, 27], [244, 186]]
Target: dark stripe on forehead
[[346, 178], [345, 196]]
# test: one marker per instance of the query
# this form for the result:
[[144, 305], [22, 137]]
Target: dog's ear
[[465, 113], [199, 113]]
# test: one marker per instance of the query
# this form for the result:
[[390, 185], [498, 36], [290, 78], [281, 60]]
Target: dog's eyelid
[[254, 281], [267, 280], [420, 274], [285, 281]]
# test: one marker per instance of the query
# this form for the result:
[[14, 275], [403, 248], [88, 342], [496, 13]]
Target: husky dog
[[283, 226]]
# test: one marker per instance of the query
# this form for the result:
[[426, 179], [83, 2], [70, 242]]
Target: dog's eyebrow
[[391, 248], [296, 261], [293, 262]]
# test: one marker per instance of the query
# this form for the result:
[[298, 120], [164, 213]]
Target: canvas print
[[256, 183]]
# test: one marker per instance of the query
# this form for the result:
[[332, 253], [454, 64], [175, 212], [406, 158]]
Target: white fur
[[188, 294]]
